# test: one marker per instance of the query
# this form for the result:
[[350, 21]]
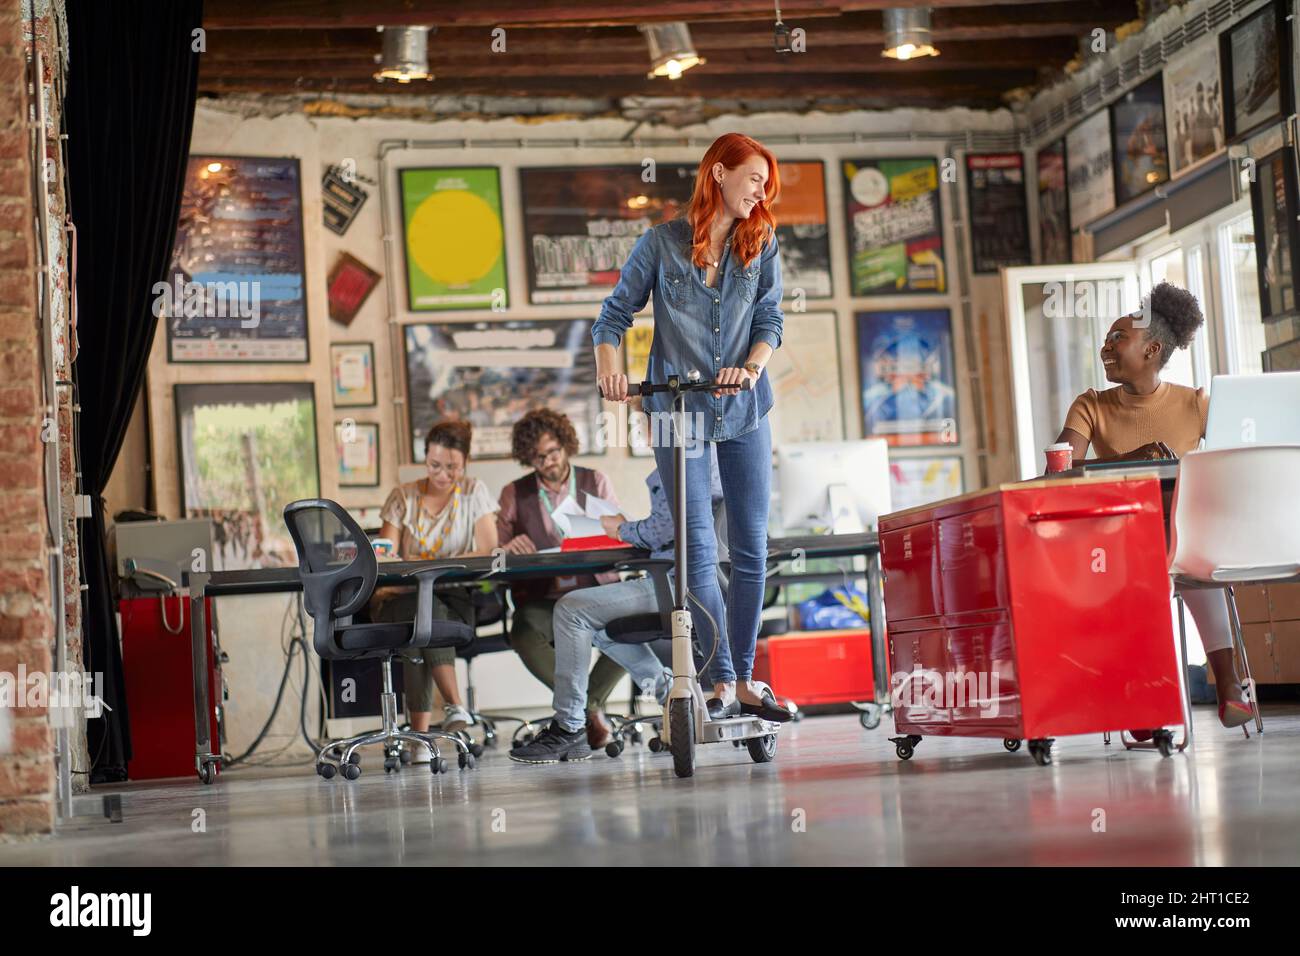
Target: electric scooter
[[686, 721]]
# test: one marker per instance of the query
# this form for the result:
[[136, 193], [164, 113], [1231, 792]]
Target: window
[[1243, 327]]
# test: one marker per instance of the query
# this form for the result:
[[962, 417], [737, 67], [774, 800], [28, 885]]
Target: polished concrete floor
[[836, 794]]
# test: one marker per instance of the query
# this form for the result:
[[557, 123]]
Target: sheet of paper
[[599, 507], [580, 526]]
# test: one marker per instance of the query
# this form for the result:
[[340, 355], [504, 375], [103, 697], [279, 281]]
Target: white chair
[[1235, 520]]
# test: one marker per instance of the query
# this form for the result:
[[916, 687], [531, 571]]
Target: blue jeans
[[579, 623], [745, 469]]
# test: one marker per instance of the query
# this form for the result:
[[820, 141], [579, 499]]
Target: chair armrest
[[427, 578], [645, 564], [658, 569]]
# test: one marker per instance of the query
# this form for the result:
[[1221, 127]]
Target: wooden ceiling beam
[[329, 14]]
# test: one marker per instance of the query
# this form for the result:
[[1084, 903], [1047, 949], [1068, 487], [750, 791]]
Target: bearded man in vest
[[545, 440]]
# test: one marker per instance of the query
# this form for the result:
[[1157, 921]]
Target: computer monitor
[[1254, 410], [841, 484]]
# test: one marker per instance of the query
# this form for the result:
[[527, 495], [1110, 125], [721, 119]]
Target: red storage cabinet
[[818, 667], [1030, 611], [158, 673]]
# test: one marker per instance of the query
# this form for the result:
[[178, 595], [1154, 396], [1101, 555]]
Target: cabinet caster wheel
[[1041, 750], [656, 744], [1164, 743], [465, 761], [326, 770], [870, 719], [207, 773], [352, 771], [1011, 743], [904, 751]]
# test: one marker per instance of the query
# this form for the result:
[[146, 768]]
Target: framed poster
[[350, 283], [1274, 206], [246, 450], [356, 448], [921, 481], [895, 227], [235, 289], [1256, 56], [491, 373], [581, 222], [909, 394], [1138, 134], [1194, 107], [1053, 204], [805, 376], [1088, 160], [352, 372], [454, 239], [999, 212], [802, 231]]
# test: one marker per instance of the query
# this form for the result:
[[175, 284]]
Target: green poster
[[455, 248]]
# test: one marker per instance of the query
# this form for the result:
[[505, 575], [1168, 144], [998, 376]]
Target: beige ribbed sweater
[[1116, 423]]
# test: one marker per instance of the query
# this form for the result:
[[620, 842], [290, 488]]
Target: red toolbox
[[817, 667], [158, 673], [1030, 611]]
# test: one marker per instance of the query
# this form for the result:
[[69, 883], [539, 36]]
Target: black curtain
[[132, 78]]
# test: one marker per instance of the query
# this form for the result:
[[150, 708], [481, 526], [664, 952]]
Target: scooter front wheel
[[681, 734]]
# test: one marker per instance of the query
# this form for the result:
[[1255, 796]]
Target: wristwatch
[[754, 367]]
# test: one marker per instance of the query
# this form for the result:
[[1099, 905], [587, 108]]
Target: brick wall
[[26, 627]]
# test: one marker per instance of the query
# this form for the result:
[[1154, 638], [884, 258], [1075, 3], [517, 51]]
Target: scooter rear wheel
[[681, 724], [762, 749]]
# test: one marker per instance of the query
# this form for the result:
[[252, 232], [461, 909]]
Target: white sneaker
[[419, 753], [455, 718]]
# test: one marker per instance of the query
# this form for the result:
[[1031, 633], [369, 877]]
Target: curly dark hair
[[456, 435], [528, 432], [1175, 317]]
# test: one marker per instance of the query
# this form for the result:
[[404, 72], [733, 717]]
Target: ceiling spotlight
[[907, 33], [406, 54], [214, 167], [671, 50], [781, 33]]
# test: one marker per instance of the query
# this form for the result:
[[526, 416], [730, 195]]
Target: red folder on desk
[[596, 542]]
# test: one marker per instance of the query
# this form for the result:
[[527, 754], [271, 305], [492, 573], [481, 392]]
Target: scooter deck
[[736, 728]]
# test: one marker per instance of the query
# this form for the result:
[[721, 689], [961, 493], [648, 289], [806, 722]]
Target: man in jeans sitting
[[579, 623]]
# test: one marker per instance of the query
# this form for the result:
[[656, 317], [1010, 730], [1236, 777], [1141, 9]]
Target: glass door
[[1057, 316]]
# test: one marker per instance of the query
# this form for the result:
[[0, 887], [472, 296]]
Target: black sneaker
[[553, 745]]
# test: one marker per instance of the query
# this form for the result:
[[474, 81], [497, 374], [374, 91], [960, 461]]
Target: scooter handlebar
[[649, 388]]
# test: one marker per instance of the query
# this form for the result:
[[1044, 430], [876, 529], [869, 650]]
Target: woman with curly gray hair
[[1145, 418]]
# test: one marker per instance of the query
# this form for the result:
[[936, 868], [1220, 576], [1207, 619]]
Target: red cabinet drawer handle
[[1106, 511]]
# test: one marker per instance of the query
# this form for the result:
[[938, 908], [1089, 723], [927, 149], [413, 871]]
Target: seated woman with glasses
[[446, 514]]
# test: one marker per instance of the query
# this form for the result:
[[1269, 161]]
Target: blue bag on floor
[[834, 609]]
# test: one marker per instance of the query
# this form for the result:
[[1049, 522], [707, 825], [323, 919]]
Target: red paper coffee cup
[[1060, 457]]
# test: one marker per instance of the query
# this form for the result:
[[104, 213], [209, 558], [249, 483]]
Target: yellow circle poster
[[455, 248]]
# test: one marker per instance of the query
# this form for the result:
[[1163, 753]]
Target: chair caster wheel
[[355, 759], [476, 749], [465, 761], [1011, 743], [327, 770], [392, 764], [404, 756], [636, 736], [1164, 742], [437, 764], [613, 749], [352, 771], [656, 745]]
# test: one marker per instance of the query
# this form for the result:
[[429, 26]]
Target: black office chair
[[654, 628], [338, 570]]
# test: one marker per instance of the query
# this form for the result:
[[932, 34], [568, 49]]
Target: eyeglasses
[[435, 468], [548, 457]]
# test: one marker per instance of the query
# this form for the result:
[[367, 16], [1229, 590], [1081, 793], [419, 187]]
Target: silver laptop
[[1254, 410]]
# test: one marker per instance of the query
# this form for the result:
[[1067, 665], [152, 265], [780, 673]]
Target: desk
[[468, 570]]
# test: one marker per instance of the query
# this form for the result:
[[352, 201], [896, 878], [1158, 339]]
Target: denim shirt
[[696, 327]]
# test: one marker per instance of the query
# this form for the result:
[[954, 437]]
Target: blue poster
[[909, 395]]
